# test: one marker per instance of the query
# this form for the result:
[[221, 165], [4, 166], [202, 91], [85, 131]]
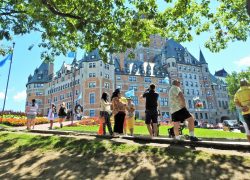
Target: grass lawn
[[142, 130], [4, 125], [26, 156]]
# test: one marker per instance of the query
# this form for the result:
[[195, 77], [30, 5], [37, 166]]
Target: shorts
[[62, 117], [247, 120], [151, 116], [181, 115], [31, 116]]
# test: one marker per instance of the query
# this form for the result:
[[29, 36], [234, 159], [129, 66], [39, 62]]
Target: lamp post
[[74, 68]]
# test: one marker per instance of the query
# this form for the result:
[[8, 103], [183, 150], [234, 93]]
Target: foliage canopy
[[115, 25]]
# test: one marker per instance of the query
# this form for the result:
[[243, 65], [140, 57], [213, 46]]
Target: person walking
[[179, 112], [31, 113], [119, 111], [51, 115], [105, 113], [62, 114], [242, 100], [130, 116], [151, 109]]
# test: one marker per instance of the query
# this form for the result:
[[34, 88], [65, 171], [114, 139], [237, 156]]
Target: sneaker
[[194, 139], [181, 138]]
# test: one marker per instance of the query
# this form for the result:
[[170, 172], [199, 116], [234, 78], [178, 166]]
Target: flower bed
[[90, 121], [15, 113], [13, 120]]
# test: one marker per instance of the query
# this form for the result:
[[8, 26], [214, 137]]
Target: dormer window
[[39, 77]]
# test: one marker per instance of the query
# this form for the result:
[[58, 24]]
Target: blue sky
[[235, 58]]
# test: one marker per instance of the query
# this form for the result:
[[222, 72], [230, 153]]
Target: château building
[[83, 81]]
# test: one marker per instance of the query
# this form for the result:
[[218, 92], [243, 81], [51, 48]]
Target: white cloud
[[243, 62], [20, 96], [1, 95]]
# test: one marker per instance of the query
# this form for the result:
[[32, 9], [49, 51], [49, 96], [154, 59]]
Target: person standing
[[179, 112], [130, 116], [31, 112], [62, 114], [78, 111], [118, 111], [51, 115], [105, 112], [151, 109], [242, 100]]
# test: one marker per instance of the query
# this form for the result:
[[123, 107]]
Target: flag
[[5, 59], [72, 54], [80, 96], [166, 80], [165, 116], [130, 93], [30, 47]]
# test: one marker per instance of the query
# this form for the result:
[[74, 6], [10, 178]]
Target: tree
[[115, 25], [248, 6], [233, 84]]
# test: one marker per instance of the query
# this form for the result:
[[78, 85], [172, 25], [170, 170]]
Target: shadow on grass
[[100, 159]]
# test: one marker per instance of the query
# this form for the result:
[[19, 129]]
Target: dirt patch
[[62, 165], [170, 162]]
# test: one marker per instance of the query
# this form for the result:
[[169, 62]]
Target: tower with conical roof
[[36, 85]]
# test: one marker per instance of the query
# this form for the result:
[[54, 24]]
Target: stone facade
[[163, 60]]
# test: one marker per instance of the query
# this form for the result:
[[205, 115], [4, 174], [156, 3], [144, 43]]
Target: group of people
[[32, 110], [123, 111]]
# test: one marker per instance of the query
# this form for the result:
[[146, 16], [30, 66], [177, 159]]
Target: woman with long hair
[[51, 115], [31, 113], [62, 114], [105, 112], [119, 111]]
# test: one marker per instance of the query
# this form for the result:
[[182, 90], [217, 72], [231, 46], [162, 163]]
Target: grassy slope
[[96, 159], [5, 126], [142, 130]]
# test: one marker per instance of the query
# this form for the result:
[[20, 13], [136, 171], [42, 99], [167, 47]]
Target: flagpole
[[6, 90]]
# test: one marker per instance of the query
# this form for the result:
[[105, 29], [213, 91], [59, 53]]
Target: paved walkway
[[44, 126]]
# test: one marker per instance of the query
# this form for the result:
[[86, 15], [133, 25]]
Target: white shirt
[[105, 106], [174, 101], [33, 110], [51, 115]]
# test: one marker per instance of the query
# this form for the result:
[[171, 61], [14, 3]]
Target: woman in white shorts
[[51, 115], [31, 113]]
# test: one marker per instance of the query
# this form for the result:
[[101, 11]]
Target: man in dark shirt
[[151, 109]]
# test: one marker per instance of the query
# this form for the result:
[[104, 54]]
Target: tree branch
[[12, 12], [56, 12]]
